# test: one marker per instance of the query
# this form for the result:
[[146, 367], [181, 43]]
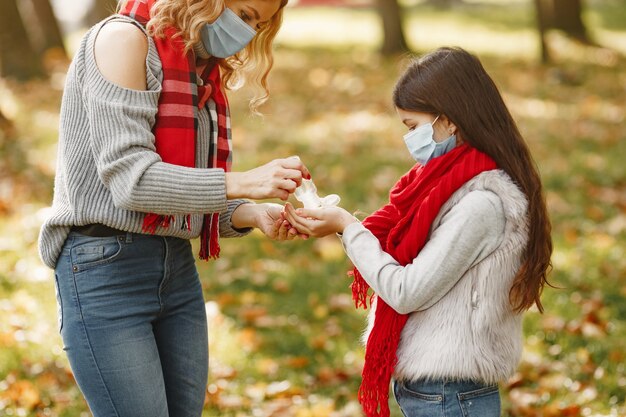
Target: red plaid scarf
[[176, 124], [402, 228]]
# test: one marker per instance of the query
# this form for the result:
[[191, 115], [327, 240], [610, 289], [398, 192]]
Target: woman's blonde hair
[[253, 63]]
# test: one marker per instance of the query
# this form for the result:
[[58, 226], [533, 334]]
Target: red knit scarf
[[402, 228], [176, 124]]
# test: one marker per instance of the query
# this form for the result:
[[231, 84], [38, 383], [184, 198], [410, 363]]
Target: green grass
[[283, 334]]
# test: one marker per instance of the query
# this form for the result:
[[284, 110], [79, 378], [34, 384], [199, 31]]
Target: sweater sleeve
[[123, 147], [226, 223], [468, 233]]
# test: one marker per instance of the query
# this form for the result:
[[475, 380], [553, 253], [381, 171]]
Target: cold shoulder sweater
[[107, 168]]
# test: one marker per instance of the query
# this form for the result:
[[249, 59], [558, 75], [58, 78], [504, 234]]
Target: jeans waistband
[[440, 384], [97, 230]]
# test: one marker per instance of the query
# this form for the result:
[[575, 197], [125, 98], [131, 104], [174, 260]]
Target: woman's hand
[[272, 222], [319, 222], [267, 217], [276, 179]]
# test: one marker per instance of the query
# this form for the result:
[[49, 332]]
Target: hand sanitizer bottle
[[307, 195]]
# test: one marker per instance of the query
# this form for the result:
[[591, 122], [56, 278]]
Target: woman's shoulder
[[120, 50], [121, 32], [117, 56]]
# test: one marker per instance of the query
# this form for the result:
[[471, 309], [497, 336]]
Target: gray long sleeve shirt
[[107, 168], [468, 233]]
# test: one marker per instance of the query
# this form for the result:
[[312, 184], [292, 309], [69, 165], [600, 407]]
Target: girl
[[459, 253], [144, 155]]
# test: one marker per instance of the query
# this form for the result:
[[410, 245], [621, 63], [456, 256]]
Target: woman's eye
[[244, 16]]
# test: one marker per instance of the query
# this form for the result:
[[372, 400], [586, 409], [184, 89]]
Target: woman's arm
[[276, 179], [122, 112]]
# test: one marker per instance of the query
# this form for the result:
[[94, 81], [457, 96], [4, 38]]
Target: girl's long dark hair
[[453, 82]]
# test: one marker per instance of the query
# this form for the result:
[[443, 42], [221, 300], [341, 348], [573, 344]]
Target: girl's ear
[[450, 127]]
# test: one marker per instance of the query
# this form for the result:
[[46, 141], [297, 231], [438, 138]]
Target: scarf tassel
[[152, 221], [209, 238], [359, 289], [380, 360]]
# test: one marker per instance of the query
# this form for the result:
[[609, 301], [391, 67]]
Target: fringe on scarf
[[380, 354], [209, 238], [359, 289], [152, 221], [381, 360]]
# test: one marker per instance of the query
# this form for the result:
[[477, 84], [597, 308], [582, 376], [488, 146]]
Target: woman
[[459, 253], [143, 161]]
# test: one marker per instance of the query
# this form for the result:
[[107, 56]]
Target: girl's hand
[[271, 221], [276, 179], [319, 222]]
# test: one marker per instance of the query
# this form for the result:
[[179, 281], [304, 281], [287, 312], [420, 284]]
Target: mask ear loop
[[435, 121]]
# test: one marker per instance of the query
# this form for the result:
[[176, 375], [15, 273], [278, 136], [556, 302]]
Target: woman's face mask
[[422, 146], [227, 35]]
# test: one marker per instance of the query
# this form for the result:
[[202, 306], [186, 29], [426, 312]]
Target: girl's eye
[[412, 128], [244, 16]]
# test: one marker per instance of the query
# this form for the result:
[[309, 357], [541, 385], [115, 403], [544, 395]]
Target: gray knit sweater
[[107, 168]]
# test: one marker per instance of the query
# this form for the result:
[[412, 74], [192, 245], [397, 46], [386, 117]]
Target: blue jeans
[[442, 398], [133, 324]]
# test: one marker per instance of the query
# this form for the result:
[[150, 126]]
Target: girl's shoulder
[[491, 194], [512, 198]]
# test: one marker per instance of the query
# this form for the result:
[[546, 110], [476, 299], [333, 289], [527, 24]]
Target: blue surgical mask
[[226, 36], [423, 147]]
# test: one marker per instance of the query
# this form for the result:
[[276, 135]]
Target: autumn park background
[[283, 330]]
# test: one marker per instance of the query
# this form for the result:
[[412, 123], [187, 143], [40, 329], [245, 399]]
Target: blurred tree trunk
[[541, 18], [18, 59], [100, 9], [565, 15], [44, 27], [393, 37], [568, 18]]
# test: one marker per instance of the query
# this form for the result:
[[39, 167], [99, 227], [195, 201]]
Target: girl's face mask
[[422, 145]]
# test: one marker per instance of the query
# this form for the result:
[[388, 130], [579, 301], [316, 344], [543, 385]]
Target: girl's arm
[[467, 234]]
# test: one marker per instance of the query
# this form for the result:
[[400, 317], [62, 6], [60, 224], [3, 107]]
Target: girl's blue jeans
[[441, 398], [133, 323]]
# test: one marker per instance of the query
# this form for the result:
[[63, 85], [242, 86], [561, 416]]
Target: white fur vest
[[472, 332]]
